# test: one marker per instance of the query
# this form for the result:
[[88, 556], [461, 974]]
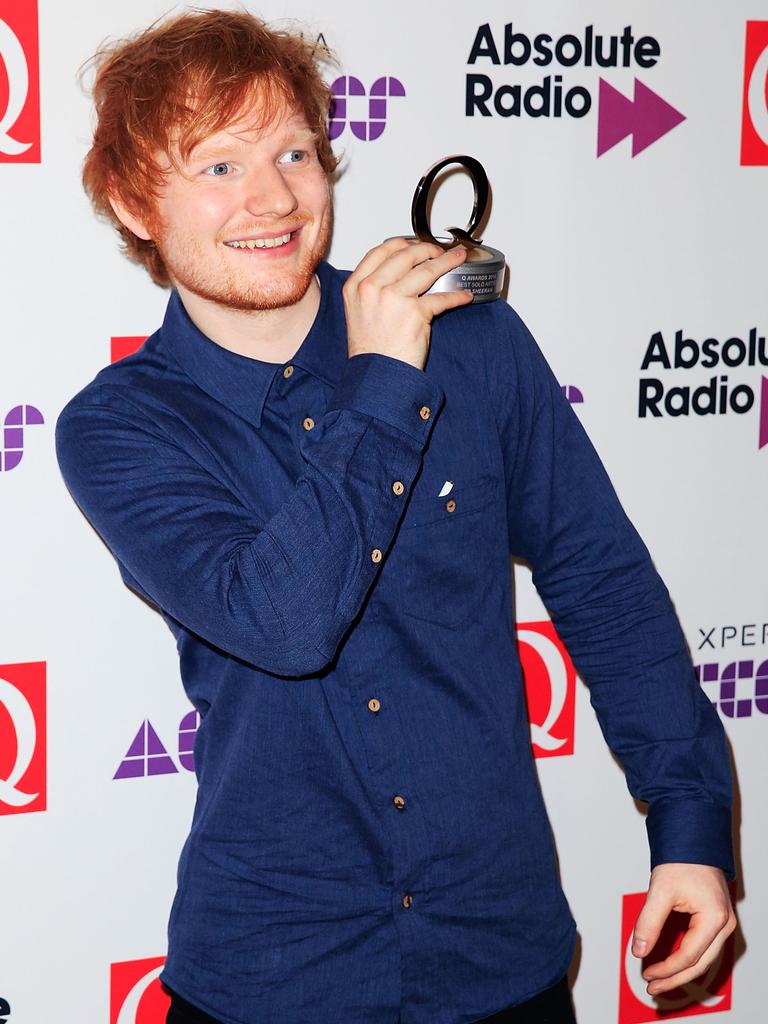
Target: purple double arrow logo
[[646, 117]]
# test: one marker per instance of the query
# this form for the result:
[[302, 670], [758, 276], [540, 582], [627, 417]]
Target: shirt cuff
[[691, 832], [391, 390]]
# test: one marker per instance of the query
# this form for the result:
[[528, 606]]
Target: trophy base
[[482, 273]]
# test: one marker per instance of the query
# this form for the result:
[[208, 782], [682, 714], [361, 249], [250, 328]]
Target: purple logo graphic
[[574, 395], [762, 439], [147, 755], [740, 686], [20, 416], [646, 117], [348, 87], [187, 732]]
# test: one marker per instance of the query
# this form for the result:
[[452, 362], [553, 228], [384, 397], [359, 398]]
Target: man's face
[[246, 222]]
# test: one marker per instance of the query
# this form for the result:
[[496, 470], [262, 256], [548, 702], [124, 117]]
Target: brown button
[[450, 505], [425, 412], [373, 704], [407, 900], [288, 371], [308, 423], [376, 555], [398, 487], [399, 802]]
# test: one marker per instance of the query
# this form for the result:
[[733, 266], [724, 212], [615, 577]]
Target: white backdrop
[[603, 253]]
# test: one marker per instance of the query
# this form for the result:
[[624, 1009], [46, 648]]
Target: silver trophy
[[483, 270]]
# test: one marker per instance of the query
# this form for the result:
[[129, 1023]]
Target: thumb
[[650, 921]]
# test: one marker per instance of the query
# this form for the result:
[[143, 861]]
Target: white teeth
[[261, 243]]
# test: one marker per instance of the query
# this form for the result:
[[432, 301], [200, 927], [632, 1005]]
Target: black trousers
[[550, 1007]]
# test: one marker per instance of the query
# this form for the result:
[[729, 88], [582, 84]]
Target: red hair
[[181, 81]]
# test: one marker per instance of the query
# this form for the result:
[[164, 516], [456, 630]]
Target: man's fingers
[[421, 278], [705, 933], [696, 970], [376, 256], [441, 302], [650, 921], [398, 266]]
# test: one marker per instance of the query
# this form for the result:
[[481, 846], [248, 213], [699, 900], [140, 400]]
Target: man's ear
[[129, 220]]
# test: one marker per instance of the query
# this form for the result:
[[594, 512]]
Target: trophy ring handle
[[459, 236]]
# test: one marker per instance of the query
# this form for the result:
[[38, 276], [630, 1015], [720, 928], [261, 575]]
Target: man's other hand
[[384, 301], [695, 889]]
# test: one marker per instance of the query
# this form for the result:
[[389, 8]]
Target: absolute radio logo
[[550, 688], [646, 116], [19, 82], [364, 111], [717, 394], [754, 116], [22, 738], [147, 755], [710, 993], [135, 993]]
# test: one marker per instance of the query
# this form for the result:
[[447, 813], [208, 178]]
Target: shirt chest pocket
[[437, 569]]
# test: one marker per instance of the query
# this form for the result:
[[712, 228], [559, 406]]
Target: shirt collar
[[243, 384]]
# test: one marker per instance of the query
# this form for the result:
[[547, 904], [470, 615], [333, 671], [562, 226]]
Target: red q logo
[[550, 688], [135, 994], [754, 118], [22, 738], [711, 993], [19, 82]]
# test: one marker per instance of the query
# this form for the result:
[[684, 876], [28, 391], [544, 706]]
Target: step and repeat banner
[[627, 148]]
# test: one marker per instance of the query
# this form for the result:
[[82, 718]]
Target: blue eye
[[218, 170], [293, 156]]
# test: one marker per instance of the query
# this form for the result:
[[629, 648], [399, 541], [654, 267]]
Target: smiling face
[[245, 219]]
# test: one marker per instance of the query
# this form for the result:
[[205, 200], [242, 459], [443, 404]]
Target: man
[[324, 517]]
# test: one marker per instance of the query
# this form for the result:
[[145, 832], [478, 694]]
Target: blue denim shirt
[[369, 839]]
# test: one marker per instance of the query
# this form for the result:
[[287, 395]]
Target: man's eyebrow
[[207, 149]]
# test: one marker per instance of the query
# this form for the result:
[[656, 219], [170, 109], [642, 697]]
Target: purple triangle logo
[[145, 756], [646, 117]]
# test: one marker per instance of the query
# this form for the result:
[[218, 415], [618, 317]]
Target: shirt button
[[373, 704], [398, 487], [308, 423], [425, 412], [376, 555], [399, 802], [450, 506], [407, 900], [288, 371]]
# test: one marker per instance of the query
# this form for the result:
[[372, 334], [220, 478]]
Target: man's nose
[[268, 194]]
